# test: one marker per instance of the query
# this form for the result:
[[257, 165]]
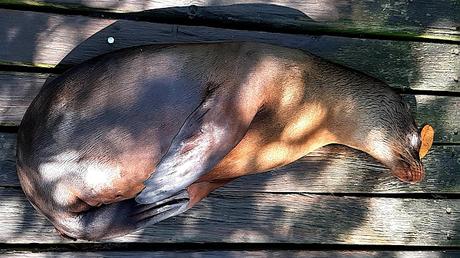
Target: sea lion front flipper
[[206, 136]]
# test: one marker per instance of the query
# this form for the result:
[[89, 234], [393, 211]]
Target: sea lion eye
[[415, 140]]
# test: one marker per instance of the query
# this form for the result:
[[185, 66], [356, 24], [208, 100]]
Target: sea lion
[[138, 135]]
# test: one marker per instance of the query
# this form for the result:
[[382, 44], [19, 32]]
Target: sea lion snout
[[400, 150], [409, 167], [409, 171]]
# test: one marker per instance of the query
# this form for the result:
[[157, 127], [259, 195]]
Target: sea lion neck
[[366, 114]]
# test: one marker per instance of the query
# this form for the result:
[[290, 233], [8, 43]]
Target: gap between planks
[[268, 252]]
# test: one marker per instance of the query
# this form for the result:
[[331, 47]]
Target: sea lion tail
[[120, 218]]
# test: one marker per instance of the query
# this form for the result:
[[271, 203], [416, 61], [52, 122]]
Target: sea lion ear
[[426, 137]]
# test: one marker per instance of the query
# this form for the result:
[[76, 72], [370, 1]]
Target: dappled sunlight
[[307, 119], [444, 60], [384, 211], [273, 155], [402, 254], [246, 236], [292, 96], [393, 220], [334, 182], [20, 220], [379, 145], [12, 33], [49, 44], [122, 5], [363, 14]]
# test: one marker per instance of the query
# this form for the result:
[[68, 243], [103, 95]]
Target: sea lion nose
[[409, 172]]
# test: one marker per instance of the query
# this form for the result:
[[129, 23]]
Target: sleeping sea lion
[[136, 136]]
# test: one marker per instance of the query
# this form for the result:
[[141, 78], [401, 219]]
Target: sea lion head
[[403, 157], [385, 128], [400, 145], [405, 162]]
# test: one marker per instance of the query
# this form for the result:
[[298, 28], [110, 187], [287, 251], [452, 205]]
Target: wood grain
[[332, 169], [271, 218], [408, 19], [46, 40], [238, 254], [17, 91]]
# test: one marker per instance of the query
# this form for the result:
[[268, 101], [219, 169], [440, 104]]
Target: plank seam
[[427, 92], [414, 195], [381, 195], [32, 69], [214, 246]]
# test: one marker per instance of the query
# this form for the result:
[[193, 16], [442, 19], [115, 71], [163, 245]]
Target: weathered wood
[[17, 91], [8, 176], [237, 254], [413, 19], [332, 169], [271, 218], [44, 40]]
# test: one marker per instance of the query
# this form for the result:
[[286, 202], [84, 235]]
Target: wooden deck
[[333, 202]]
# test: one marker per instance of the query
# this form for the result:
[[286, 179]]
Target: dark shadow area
[[290, 217]]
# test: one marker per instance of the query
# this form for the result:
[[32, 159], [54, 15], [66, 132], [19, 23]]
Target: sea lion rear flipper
[[120, 218], [206, 136]]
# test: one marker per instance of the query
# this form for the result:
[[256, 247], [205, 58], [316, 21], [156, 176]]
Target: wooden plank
[[332, 169], [46, 40], [17, 91], [8, 176], [413, 19], [271, 218], [225, 254]]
